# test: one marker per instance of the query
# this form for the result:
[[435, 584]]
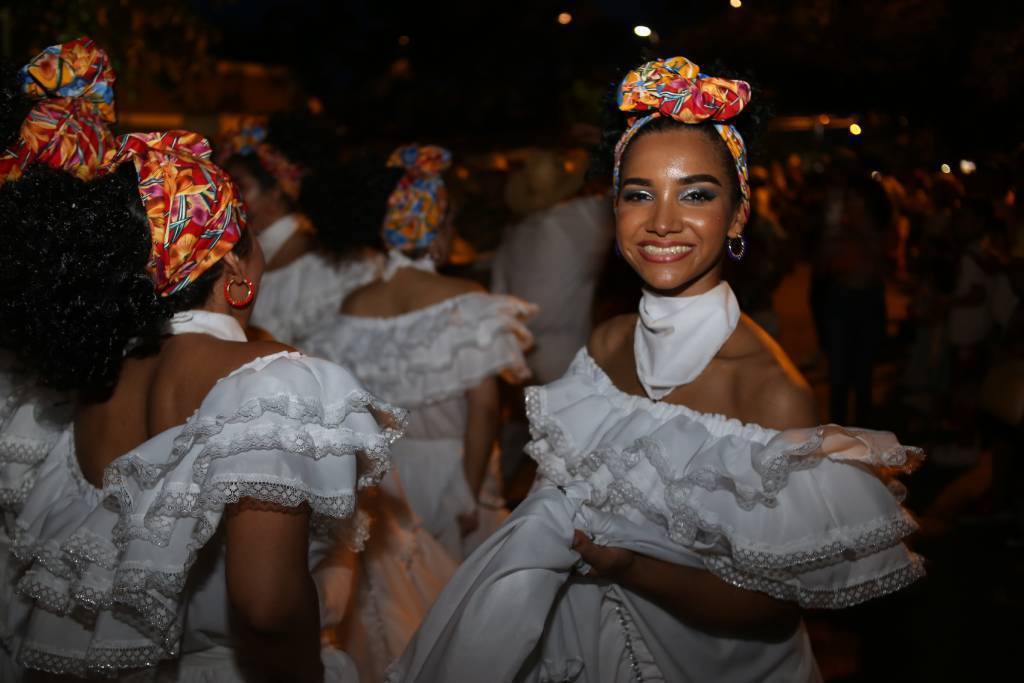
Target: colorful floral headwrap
[[676, 88], [417, 206], [249, 136], [195, 212], [67, 128]]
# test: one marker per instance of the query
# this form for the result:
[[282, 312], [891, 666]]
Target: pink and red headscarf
[[676, 88], [195, 212], [68, 126]]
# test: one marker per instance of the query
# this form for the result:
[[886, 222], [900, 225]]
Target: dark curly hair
[[75, 295], [74, 292], [301, 138], [14, 104], [750, 123], [347, 203]]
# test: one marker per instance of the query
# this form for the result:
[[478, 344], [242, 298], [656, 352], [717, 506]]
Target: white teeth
[[674, 250]]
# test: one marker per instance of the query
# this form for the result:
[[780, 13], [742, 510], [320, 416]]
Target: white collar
[[273, 237], [676, 337], [217, 325], [397, 260]]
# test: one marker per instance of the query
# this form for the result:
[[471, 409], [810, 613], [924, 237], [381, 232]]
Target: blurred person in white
[[553, 256]]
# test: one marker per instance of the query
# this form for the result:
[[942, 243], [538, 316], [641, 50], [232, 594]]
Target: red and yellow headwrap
[[67, 128], [676, 88], [419, 203], [195, 212], [248, 136]]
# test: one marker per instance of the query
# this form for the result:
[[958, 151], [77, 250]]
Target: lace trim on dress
[[21, 455], [435, 353], [748, 564], [86, 574]]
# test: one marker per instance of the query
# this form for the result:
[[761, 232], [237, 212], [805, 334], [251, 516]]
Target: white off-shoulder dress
[[103, 581], [425, 361], [297, 298], [807, 515]]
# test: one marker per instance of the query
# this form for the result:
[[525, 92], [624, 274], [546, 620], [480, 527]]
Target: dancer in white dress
[[175, 526], [435, 345], [686, 509], [298, 297], [382, 592]]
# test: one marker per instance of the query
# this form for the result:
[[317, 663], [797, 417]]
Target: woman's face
[[675, 209], [262, 206]]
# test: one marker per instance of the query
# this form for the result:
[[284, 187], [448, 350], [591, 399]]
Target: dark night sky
[[511, 65]]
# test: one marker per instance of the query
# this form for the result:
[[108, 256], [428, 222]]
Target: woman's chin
[[665, 278]]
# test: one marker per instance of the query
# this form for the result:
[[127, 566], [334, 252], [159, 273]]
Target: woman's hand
[[605, 561]]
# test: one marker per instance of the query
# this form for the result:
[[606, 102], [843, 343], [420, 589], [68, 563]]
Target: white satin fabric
[[677, 336]]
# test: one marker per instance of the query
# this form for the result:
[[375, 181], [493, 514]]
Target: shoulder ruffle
[[809, 515], [104, 572], [434, 353], [295, 299], [32, 418]]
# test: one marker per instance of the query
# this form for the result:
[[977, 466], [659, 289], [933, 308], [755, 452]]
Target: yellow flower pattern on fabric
[[194, 209]]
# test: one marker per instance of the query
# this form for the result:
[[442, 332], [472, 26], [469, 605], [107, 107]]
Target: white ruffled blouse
[[806, 515], [295, 299], [95, 581], [434, 353]]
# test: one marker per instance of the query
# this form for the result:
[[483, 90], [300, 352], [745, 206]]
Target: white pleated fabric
[[426, 360], [99, 581], [811, 516]]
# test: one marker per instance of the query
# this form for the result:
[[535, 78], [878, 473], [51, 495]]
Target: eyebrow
[[687, 180]]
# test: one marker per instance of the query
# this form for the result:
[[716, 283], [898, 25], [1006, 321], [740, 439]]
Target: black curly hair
[[14, 104], [74, 292], [301, 138], [347, 202], [750, 123], [75, 295]]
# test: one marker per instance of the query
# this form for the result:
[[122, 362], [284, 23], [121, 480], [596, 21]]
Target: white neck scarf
[[397, 260], [273, 237], [676, 337], [216, 325]]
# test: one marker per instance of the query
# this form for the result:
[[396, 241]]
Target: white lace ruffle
[[434, 353], [32, 418], [807, 515], [120, 561]]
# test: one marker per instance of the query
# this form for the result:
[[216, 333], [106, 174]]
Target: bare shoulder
[[219, 358], [776, 394], [431, 288], [608, 337]]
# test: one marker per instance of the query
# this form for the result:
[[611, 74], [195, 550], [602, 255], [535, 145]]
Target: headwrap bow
[[419, 203], [676, 88], [249, 137], [67, 128], [195, 212]]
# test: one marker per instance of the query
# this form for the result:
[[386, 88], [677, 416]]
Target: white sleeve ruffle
[[808, 515], [104, 571], [435, 353]]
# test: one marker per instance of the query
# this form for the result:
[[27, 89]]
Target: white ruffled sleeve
[[809, 515], [434, 353], [32, 418], [295, 299], [285, 429]]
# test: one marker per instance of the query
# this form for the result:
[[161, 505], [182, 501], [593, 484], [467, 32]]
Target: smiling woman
[[679, 469], [678, 203]]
